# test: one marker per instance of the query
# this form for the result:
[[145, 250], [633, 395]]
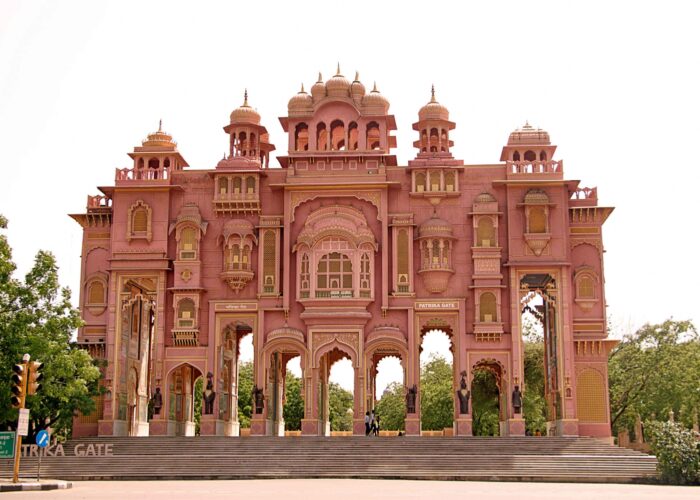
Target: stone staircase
[[470, 458]]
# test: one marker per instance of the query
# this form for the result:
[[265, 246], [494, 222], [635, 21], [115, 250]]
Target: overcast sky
[[616, 84]]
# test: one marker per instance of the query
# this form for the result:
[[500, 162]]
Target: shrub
[[678, 451]]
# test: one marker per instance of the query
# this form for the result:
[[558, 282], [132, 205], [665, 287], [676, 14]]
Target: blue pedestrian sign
[[42, 439]]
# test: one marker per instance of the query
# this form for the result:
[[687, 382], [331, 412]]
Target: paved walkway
[[348, 489]]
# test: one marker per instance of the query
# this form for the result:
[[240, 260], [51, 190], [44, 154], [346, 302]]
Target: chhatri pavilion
[[340, 252]]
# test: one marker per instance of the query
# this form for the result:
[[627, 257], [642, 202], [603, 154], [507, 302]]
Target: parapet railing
[[142, 174]]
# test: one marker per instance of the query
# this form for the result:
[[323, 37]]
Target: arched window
[[235, 257], [450, 181], [242, 144], [321, 137], [223, 185], [434, 180], [420, 182], [485, 233], [488, 312], [186, 315], [530, 156], [543, 156], [166, 163], [236, 185], [537, 220], [153, 163], [96, 293], [337, 135], [334, 276], [301, 137], [250, 184], [188, 244], [139, 224], [516, 156], [373, 136], [140, 164], [436, 254], [353, 135]]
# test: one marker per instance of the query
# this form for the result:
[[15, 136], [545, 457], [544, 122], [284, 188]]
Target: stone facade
[[340, 253]]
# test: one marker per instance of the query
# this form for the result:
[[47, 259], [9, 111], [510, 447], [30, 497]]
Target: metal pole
[[18, 448], [38, 467]]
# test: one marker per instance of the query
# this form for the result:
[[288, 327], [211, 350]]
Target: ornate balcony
[[185, 337], [548, 169], [139, 175], [237, 279]]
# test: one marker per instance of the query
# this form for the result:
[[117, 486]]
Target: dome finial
[[245, 97], [432, 93], [374, 89], [160, 125], [320, 78], [302, 88], [357, 76], [337, 73]]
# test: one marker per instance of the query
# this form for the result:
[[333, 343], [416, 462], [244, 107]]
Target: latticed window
[[537, 220], [250, 185], [365, 276], [402, 264], [487, 308], [237, 185], [96, 293], [334, 276], [420, 181], [591, 397], [585, 288], [188, 243], [450, 181], [139, 220], [186, 313], [485, 233], [304, 277], [269, 265], [434, 181]]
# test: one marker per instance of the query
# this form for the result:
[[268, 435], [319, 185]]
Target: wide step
[[210, 457]]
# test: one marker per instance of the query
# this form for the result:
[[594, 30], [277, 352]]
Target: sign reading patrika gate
[[437, 305]]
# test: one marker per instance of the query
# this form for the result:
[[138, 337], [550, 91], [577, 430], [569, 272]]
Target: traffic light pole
[[23, 397]]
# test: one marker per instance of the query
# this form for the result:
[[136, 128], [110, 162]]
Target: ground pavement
[[357, 489]]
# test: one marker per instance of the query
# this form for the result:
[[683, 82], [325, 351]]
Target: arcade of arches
[[339, 252]]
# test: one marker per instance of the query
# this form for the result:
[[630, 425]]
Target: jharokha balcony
[[161, 175]]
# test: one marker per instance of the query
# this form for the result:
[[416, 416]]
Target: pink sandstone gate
[[339, 252]]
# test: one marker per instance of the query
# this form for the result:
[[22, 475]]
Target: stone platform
[[470, 458]]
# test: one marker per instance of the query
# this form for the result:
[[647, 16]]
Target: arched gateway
[[340, 253]]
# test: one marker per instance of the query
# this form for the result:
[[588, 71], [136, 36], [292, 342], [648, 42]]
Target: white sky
[[616, 84]]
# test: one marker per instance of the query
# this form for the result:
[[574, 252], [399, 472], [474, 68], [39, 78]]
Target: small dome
[[338, 85], [318, 90], [536, 197], [159, 138], [435, 227], [433, 110], [301, 101], [528, 135], [484, 198], [357, 89], [375, 98], [245, 114]]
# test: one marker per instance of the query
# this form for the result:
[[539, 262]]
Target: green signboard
[[7, 445]]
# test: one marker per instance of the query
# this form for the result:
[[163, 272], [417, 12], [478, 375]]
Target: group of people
[[371, 424]]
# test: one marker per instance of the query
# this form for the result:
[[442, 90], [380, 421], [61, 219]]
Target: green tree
[[436, 400], [198, 398], [339, 402], [36, 317], [485, 403], [534, 403], [391, 408], [245, 393], [293, 403], [654, 371]]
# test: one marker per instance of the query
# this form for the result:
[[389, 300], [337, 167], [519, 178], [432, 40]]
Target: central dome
[[528, 135], [338, 85]]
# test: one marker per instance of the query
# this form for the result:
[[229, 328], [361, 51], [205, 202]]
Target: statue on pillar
[[411, 399], [517, 400], [258, 399], [463, 394], [209, 395], [157, 401]]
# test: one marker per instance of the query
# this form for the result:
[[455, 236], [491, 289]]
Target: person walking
[[367, 424], [372, 422], [376, 425]]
